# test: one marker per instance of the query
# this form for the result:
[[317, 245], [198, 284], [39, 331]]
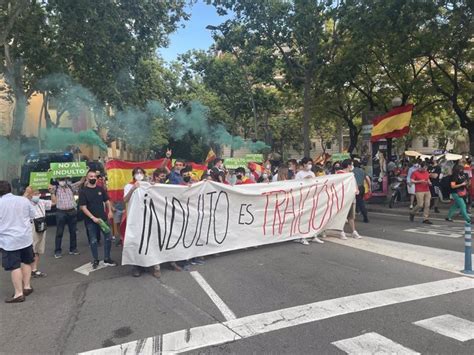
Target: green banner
[[70, 169], [234, 163], [255, 158], [39, 180], [340, 156]]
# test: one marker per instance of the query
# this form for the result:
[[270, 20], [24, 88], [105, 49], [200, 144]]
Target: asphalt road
[[307, 287]]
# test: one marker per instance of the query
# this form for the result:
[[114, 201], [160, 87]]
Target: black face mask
[[92, 181], [187, 178], [239, 177], [162, 180]]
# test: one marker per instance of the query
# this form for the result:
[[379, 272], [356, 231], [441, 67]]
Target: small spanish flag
[[210, 156], [393, 124]]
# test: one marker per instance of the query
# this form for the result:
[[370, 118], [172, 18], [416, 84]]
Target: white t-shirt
[[127, 189], [41, 207], [304, 174], [15, 222]]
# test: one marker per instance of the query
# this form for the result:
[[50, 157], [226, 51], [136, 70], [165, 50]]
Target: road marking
[[245, 327], [449, 326], [407, 215], [371, 343], [442, 259], [86, 269], [437, 232], [225, 310]]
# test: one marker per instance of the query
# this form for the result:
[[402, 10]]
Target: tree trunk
[[470, 131], [353, 136], [306, 115]]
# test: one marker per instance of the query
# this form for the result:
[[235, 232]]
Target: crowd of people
[[23, 218]]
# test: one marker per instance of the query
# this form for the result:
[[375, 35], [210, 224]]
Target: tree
[[295, 34]]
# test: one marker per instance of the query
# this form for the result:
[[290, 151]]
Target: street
[[396, 290]]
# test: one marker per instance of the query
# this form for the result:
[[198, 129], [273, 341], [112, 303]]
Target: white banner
[[172, 223]]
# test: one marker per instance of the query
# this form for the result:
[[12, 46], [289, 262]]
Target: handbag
[[40, 223]]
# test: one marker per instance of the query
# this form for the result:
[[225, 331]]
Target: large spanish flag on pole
[[119, 174], [393, 124]]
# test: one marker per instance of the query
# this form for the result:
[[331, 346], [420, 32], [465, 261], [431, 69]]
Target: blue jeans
[[93, 233], [63, 218]]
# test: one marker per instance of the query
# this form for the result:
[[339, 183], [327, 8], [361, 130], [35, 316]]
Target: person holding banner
[[347, 168], [39, 225], [139, 175], [92, 200]]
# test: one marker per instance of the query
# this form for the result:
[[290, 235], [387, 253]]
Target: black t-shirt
[[435, 170], [93, 199], [457, 180]]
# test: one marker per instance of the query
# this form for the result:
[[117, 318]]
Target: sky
[[194, 35]]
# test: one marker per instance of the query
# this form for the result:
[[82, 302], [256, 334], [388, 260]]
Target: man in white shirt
[[16, 240]]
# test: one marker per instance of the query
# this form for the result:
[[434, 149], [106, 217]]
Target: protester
[[39, 225], [16, 240], [241, 179], [458, 187], [361, 177], [347, 167], [92, 200], [292, 168], [66, 214], [306, 171], [410, 185], [283, 174], [435, 173], [175, 175], [421, 179]]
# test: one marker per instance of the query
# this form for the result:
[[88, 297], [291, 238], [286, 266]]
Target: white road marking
[[450, 326], [86, 269], [225, 310], [442, 259], [406, 217], [241, 328], [438, 233], [371, 343]]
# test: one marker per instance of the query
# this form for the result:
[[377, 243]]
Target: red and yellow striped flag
[[119, 174], [210, 156], [393, 124]]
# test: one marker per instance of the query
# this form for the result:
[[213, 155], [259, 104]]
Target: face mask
[[265, 176], [239, 176], [139, 177], [35, 199], [92, 181], [351, 167], [268, 166], [309, 167], [62, 183], [187, 178]]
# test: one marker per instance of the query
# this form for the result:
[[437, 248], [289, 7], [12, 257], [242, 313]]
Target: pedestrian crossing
[[373, 343]]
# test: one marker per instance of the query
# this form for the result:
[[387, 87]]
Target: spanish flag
[[197, 170], [119, 174], [393, 124], [210, 156]]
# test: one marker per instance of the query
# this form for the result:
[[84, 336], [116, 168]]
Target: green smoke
[[59, 139]]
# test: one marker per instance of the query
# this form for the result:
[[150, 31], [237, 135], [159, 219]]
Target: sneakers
[[304, 242], [342, 235], [427, 221], [156, 273], [412, 217], [315, 239], [74, 252], [36, 274], [411, 207], [356, 235], [95, 264], [57, 256], [110, 262], [449, 219], [137, 271], [323, 235]]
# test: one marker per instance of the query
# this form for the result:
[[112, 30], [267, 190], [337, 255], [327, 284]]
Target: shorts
[[118, 216], [352, 212], [12, 260], [39, 241], [411, 189]]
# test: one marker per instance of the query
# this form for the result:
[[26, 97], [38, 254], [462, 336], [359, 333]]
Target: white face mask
[[35, 199], [62, 183], [309, 167], [265, 176], [268, 166], [139, 177]]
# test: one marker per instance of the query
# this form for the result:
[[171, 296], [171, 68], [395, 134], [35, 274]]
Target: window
[[426, 142], [328, 145]]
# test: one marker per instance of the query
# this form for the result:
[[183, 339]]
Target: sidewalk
[[401, 208]]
